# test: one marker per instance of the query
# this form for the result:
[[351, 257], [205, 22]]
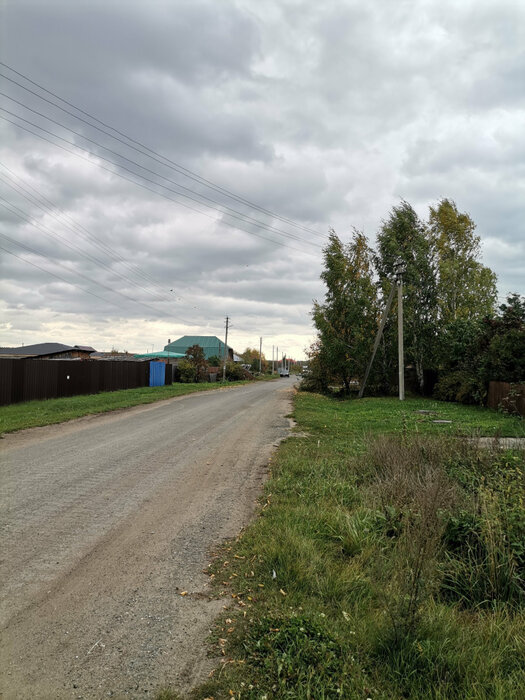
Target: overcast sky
[[312, 114]]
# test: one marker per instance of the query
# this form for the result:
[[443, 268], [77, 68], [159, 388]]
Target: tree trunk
[[420, 375]]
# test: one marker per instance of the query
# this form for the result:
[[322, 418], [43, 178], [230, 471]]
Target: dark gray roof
[[43, 349]]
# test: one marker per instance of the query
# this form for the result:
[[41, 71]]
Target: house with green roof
[[211, 345]]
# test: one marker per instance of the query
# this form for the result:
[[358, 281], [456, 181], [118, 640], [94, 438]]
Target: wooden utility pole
[[225, 351], [399, 268], [376, 342]]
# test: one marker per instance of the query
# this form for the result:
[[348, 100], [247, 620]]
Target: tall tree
[[251, 357], [403, 235], [466, 288], [347, 320], [197, 360]]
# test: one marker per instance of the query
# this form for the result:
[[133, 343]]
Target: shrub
[[235, 372], [461, 386], [187, 371]]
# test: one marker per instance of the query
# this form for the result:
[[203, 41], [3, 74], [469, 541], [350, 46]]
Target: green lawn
[[358, 418], [37, 413], [387, 561]]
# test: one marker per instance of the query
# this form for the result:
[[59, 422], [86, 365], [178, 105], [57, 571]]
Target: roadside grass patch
[[31, 414], [386, 561]]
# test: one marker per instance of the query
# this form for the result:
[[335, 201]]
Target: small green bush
[[187, 371], [234, 372]]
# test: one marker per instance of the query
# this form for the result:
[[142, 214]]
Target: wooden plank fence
[[27, 379], [503, 393]]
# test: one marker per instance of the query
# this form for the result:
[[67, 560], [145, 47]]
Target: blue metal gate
[[157, 373]]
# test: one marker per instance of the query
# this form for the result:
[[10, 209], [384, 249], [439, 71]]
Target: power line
[[139, 184], [71, 245], [100, 284], [41, 227], [50, 208], [150, 153], [15, 210], [10, 252], [234, 213]]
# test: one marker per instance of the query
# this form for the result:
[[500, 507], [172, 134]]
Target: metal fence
[[507, 396], [25, 380]]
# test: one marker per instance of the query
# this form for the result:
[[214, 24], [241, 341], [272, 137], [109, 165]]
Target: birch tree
[[466, 289], [403, 235]]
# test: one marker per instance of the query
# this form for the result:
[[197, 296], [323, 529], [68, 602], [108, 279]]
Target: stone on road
[[106, 520]]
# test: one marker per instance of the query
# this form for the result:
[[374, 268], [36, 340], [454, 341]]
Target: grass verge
[[31, 414], [387, 561]]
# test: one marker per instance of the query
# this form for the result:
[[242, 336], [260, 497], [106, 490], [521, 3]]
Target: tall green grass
[[386, 562]]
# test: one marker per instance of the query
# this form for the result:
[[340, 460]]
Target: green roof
[[209, 343], [162, 353]]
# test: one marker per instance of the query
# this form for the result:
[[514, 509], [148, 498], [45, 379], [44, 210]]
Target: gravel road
[[106, 520]]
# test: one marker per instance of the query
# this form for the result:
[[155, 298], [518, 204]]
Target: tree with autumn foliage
[[193, 366], [251, 357], [466, 289]]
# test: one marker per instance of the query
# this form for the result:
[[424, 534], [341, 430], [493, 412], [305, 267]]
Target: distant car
[[283, 372]]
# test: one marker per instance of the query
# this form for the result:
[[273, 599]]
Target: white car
[[283, 372]]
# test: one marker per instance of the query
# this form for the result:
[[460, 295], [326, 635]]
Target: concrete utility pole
[[260, 354], [273, 355], [277, 358], [400, 269], [225, 351]]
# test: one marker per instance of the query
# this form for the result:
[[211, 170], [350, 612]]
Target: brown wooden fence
[[25, 380], [502, 394]]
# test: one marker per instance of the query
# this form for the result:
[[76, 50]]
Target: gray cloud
[[325, 113]]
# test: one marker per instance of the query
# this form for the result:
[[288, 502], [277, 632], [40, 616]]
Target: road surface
[[105, 521]]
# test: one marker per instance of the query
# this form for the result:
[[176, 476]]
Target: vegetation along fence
[[508, 397], [25, 380]]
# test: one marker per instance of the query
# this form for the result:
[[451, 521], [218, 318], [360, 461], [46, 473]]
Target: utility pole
[[400, 269], [273, 355], [260, 354], [277, 358], [225, 351], [376, 342]]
